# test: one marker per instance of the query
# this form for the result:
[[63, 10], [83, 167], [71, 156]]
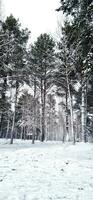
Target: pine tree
[[43, 55], [80, 36], [13, 41], [65, 80], [5, 41]]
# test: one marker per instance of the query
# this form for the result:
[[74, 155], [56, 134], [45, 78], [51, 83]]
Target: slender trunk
[[14, 114], [7, 127], [42, 106], [67, 122], [71, 107], [83, 110], [50, 123], [85, 135], [21, 133], [63, 127], [71, 115], [3, 124], [43, 111], [83, 113], [34, 125], [12, 131], [43, 102], [72, 124], [24, 131]]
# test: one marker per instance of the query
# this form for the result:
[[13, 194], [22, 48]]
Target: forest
[[46, 88], [46, 104]]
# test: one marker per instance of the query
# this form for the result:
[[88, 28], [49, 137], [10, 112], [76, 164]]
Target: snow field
[[46, 171]]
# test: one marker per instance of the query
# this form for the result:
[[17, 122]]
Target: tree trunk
[[43, 103], [83, 111], [12, 131], [67, 124], [21, 133], [14, 114], [67, 95], [7, 127], [3, 124], [24, 132], [71, 107], [34, 125], [71, 115]]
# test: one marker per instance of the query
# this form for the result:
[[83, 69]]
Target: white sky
[[37, 15]]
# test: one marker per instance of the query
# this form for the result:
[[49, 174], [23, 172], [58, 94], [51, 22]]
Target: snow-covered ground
[[46, 171]]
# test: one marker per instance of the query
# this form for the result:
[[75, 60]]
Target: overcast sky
[[37, 15]]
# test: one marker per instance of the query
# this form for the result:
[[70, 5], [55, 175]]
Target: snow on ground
[[46, 171]]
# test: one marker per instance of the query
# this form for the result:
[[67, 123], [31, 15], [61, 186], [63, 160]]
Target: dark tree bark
[[3, 125], [34, 125]]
